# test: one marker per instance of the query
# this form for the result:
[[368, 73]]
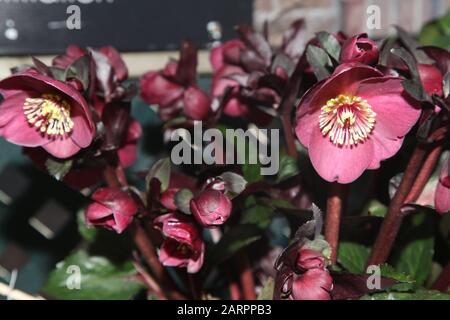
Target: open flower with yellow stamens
[[353, 120], [39, 111]]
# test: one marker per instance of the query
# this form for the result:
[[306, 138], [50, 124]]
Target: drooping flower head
[[39, 111], [183, 245], [112, 208], [353, 120]]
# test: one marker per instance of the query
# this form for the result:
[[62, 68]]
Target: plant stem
[[337, 194], [246, 277], [289, 135], [424, 174], [443, 282], [233, 286], [394, 216]]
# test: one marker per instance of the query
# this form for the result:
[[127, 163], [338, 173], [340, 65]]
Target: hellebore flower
[[39, 111], [227, 53], [312, 281], [360, 49], [314, 284], [168, 197], [211, 208], [113, 209], [310, 259], [442, 195], [353, 120], [183, 245]]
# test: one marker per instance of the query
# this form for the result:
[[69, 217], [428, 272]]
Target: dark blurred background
[[38, 215]]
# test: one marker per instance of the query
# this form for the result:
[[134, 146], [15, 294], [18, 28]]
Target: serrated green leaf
[[353, 256], [99, 279], [416, 259], [406, 283], [58, 169]]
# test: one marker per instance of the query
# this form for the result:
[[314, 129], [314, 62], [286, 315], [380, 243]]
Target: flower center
[[347, 120], [50, 114]]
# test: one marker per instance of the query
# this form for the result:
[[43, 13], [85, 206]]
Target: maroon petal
[[114, 58], [96, 211]]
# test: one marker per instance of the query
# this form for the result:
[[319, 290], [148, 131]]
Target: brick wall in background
[[349, 16]]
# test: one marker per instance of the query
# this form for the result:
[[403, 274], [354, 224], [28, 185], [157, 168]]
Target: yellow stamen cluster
[[50, 114], [347, 120]]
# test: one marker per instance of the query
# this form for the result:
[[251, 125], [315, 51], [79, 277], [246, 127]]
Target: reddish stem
[[424, 174], [235, 293], [337, 194], [443, 282], [394, 217], [246, 277], [289, 135]]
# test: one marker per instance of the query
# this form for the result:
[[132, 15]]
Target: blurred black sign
[[48, 26]]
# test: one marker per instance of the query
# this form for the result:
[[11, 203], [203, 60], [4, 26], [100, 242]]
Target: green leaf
[[353, 256], [161, 171], [58, 169], [288, 168], [267, 290], [416, 259], [232, 241], [88, 233], [99, 279], [234, 183], [258, 215], [406, 283], [183, 199], [418, 295], [330, 44], [376, 209], [252, 172], [319, 60]]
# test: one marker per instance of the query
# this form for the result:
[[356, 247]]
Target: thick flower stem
[[289, 136], [394, 217], [246, 277], [337, 194], [443, 282], [424, 174]]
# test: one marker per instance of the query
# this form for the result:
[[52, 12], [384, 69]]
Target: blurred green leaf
[[267, 290], [329, 43], [416, 259], [88, 233], [58, 168], [183, 199], [319, 61], [99, 279], [258, 215], [288, 168], [353, 256]]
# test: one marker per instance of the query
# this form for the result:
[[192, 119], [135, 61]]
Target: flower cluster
[[345, 104]]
